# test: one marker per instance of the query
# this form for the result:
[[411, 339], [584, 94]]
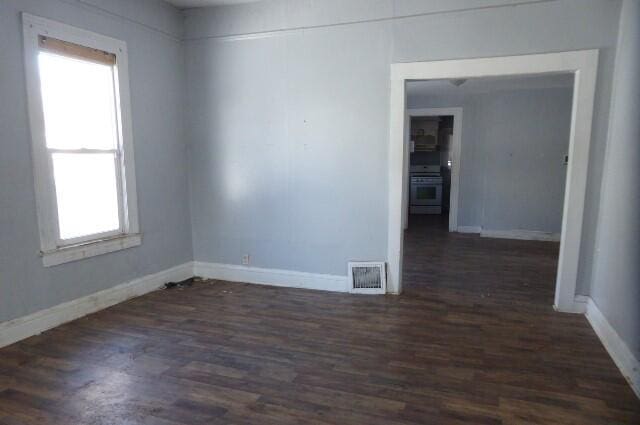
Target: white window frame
[[53, 250]]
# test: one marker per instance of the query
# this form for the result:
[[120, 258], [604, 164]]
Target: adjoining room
[[511, 147]]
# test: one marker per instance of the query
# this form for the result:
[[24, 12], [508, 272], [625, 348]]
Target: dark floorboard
[[473, 340]]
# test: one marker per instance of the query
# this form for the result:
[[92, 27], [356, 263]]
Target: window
[[82, 146]]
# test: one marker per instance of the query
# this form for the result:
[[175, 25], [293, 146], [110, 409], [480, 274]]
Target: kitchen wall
[[512, 172], [152, 30], [304, 187], [615, 287]]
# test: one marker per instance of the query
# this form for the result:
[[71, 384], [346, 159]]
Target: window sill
[[90, 249]]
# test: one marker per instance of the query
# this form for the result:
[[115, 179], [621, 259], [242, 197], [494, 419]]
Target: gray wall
[[616, 279], [512, 174], [157, 90], [304, 186]]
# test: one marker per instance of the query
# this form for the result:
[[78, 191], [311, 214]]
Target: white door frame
[[583, 64], [456, 154]]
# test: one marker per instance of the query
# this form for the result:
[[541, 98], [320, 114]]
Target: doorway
[[583, 64], [436, 158]]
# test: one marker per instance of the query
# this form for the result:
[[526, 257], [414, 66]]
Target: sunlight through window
[[81, 131]]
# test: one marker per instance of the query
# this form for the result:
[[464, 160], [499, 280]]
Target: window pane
[[87, 193], [78, 103]]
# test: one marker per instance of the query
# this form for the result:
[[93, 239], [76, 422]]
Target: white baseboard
[[469, 229], [527, 235], [580, 303], [579, 306], [274, 277], [616, 347], [40, 321]]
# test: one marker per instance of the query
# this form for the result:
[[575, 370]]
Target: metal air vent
[[367, 277]]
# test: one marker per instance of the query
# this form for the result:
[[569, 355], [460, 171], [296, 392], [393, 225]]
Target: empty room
[[320, 212]]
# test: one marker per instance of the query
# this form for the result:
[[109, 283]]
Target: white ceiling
[[186, 4], [489, 84]]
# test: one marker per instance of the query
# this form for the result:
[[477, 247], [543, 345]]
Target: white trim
[[469, 229], [34, 26], [579, 304], [584, 65], [91, 249], [40, 321], [615, 346], [527, 235], [456, 154], [274, 277]]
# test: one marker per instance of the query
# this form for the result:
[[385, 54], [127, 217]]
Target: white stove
[[426, 189]]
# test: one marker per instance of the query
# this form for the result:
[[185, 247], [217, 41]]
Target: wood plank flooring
[[473, 340]]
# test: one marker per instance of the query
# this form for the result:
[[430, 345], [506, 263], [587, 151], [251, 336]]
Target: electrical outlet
[[245, 259]]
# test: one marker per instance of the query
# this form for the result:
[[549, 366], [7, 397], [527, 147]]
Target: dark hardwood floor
[[473, 340]]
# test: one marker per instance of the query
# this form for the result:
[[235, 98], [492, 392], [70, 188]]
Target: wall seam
[[393, 18], [102, 11]]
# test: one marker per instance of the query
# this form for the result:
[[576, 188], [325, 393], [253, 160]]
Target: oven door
[[426, 194]]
